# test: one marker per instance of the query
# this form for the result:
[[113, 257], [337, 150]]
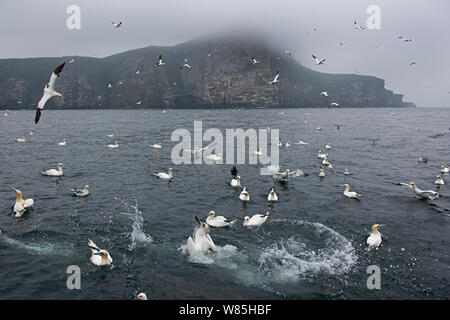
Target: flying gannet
[[318, 61], [159, 62], [163, 175], [244, 196], [254, 60], [374, 239], [117, 25], [275, 80], [49, 92], [334, 104], [218, 221], [99, 257], [139, 102], [81, 192], [54, 172], [324, 93], [21, 206], [302, 143], [256, 220], [272, 196], [350, 194], [236, 182]]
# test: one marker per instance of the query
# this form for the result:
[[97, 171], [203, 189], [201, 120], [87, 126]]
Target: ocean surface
[[311, 247]]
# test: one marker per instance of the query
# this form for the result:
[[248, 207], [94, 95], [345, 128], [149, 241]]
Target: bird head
[[247, 218], [206, 228], [212, 213], [59, 95], [141, 296]]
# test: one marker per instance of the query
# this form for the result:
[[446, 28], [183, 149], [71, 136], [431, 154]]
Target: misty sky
[[38, 28]]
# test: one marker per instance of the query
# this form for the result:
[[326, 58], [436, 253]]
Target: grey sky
[[38, 28]]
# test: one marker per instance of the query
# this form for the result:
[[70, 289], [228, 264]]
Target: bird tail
[[232, 222], [38, 115]]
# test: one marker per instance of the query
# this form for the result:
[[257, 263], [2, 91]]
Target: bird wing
[[54, 76], [93, 246], [276, 77], [314, 56], [406, 185]]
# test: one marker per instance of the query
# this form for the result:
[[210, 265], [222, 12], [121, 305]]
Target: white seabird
[[374, 240], [54, 172], [423, 159], [62, 143], [254, 60], [186, 65], [324, 93], [259, 152], [215, 157], [21, 206], [445, 169], [318, 128], [321, 173], [287, 52], [115, 145], [159, 62], [325, 162], [302, 143], [117, 25], [328, 146], [439, 180], [322, 155], [288, 145], [218, 221], [284, 175], [275, 80], [350, 194], [156, 145], [236, 182], [318, 61], [49, 92], [244, 196], [424, 194], [139, 102], [334, 104], [279, 143], [141, 296], [256, 220], [99, 257], [346, 172], [201, 240], [81, 192], [21, 139], [272, 196], [163, 175]]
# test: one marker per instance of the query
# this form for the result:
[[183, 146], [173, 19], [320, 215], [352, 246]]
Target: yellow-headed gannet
[[256, 220], [163, 175], [62, 143], [272, 196], [439, 180], [54, 172], [321, 173], [244, 196], [374, 240], [218, 221], [21, 139], [49, 92], [236, 182], [445, 169], [156, 145], [201, 240], [115, 145], [99, 256], [350, 194], [21, 206]]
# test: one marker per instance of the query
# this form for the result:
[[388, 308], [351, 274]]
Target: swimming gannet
[[272, 196], [330, 166], [288, 145], [374, 240], [99, 256], [321, 173], [300, 173], [318, 128], [325, 161], [163, 175], [423, 159], [302, 143], [445, 169], [21, 139], [350, 194], [81, 192], [322, 155], [21, 206], [201, 240], [328, 146], [236, 182], [439, 180], [141, 296], [115, 145], [424, 194], [244, 196], [346, 172], [284, 175], [62, 143], [256, 220], [156, 145], [110, 135], [53, 172], [218, 221]]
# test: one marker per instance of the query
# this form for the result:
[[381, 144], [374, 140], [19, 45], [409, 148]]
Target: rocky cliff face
[[222, 75]]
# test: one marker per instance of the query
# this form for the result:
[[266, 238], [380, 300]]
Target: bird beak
[[14, 189], [59, 95]]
